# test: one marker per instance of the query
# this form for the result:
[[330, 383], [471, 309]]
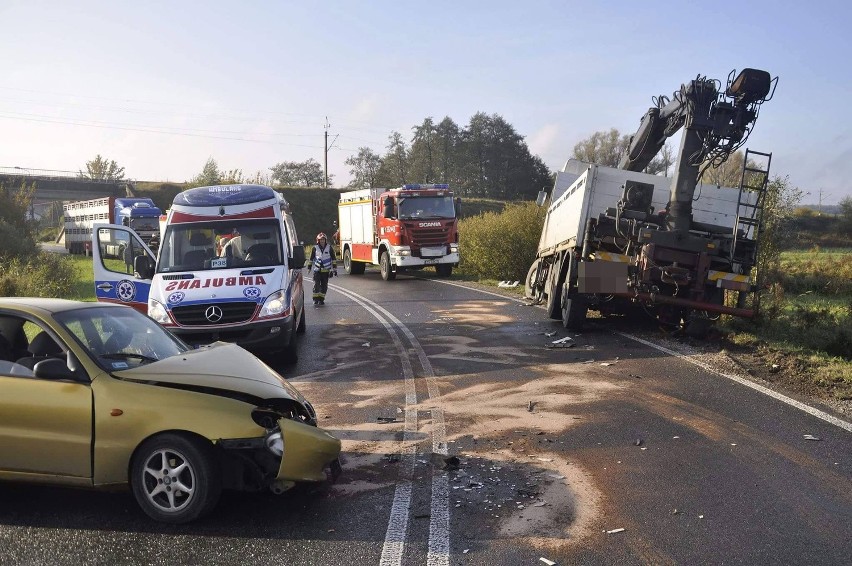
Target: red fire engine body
[[398, 229]]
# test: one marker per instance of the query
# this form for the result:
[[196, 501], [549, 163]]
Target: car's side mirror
[[143, 265], [53, 368], [298, 259]]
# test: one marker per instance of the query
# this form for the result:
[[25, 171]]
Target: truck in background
[[229, 268], [139, 214], [411, 227], [615, 239]]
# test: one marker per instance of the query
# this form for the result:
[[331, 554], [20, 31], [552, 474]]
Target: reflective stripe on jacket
[[322, 259]]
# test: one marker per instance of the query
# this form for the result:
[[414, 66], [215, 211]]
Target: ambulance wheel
[[302, 324], [290, 353], [385, 266]]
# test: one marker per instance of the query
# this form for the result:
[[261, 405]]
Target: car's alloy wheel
[[174, 478]]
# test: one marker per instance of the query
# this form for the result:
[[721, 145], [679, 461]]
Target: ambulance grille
[[196, 315]]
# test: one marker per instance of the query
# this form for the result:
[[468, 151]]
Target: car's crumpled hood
[[220, 366]]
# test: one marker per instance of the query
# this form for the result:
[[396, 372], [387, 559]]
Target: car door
[[115, 250], [45, 424]]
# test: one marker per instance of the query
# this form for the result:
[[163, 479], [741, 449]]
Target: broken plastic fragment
[[550, 333], [811, 437], [546, 561], [365, 345], [562, 340], [613, 531]]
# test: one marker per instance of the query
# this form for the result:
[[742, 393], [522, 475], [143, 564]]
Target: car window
[[28, 343]]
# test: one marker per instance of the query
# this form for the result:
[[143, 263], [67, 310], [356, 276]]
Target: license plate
[[430, 261]]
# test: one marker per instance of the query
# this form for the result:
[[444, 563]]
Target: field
[[804, 336]]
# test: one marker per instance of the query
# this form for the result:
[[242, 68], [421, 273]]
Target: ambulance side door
[[123, 266]]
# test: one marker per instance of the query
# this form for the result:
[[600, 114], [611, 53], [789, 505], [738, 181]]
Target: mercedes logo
[[213, 314]]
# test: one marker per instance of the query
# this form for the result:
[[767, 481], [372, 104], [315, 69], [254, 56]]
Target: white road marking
[[439, 517], [847, 426], [750, 384]]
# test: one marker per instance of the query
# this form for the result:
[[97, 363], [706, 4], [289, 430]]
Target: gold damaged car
[[99, 395]]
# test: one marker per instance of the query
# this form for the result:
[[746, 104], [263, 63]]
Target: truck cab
[[228, 268]]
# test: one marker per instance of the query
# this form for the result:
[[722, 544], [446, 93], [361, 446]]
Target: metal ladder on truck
[[753, 182]]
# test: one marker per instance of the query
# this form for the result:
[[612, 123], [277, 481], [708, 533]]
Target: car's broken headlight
[[275, 443]]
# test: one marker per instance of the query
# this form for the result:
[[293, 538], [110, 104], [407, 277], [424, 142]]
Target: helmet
[[321, 236]]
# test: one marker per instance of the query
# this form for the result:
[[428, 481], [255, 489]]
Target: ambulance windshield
[[202, 246]]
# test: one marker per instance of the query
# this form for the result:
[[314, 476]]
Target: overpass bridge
[[53, 185]]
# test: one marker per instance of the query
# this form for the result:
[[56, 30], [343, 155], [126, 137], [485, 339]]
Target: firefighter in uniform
[[323, 266]]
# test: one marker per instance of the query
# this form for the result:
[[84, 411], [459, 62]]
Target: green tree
[[209, 176], [364, 166], [17, 229], [447, 151], [423, 151], [299, 173], [777, 228], [726, 174], [394, 169], [602, 148], [846, 213], [101, 169]]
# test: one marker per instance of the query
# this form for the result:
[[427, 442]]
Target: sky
[[162, 86]]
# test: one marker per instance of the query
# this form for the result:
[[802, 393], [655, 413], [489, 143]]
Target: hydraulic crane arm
[[716, 124]]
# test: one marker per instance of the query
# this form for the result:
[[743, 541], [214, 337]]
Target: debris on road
[[637, 442], [508, 284], [451, 463], [531, 405], [546, 561], [548, 334], [365, 345], [386, 420], [465, 551], [812, 437], [562, 340], [391, 458], [606, 364], [613, 531]]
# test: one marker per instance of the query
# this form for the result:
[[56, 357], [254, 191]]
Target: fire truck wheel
[[347, 262], [444, 270], [388, 273]]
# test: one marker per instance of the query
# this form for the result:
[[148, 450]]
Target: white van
[[229, 267]]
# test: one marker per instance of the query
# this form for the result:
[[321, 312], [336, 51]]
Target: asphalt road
[[555, 446]]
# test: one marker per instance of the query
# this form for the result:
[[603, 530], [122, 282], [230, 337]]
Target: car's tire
[[444, 269], [388, 274], [164, 457]]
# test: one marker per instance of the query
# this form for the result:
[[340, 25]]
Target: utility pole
[[327, 147], [327, 126], [819, 208]]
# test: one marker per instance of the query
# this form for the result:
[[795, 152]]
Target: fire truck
[[410, 227]]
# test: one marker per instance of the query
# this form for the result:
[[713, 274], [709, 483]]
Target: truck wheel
[[574, 310], [529, 283], [385, 266], [554, 304], [347, 262], [444, 269]]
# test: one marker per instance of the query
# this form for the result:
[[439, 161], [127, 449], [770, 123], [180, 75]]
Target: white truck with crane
[[616, 238]]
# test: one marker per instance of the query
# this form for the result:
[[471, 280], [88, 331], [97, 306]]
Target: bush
[[42, 275], [501, 246]]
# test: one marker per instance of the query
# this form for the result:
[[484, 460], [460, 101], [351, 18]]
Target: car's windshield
[[426, 207], [120, 338], [221, 245]]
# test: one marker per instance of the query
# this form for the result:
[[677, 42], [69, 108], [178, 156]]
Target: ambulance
[[228, 267]]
